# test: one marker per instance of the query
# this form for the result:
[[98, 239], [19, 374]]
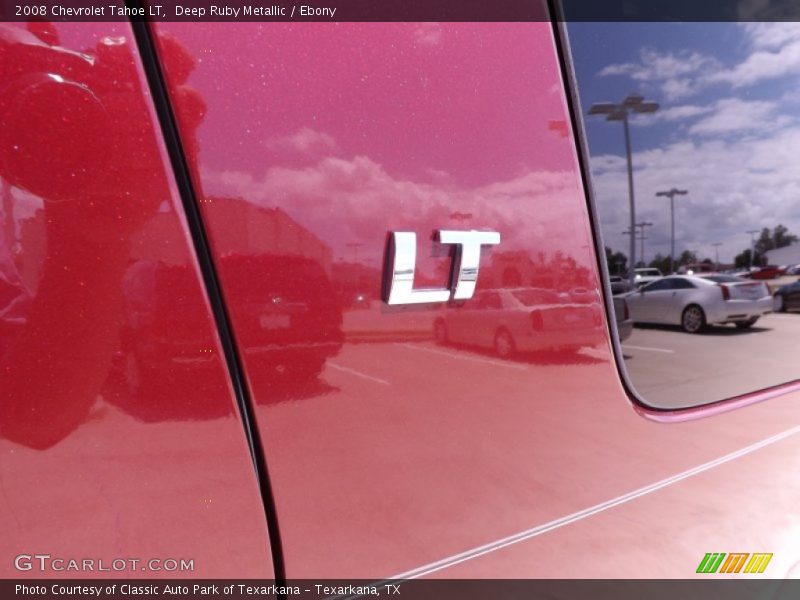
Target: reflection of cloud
[[676, 74], [737, 154], [771, 35], [763, 65], [533, 205], [734, 115], [735, 185], [428, 34], [775, 53], [673, 113], [306, 141]]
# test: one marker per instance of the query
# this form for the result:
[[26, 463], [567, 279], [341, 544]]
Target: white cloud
[[738, 158], [775, 52], [735, 115], [686, 111], [534, 203], [657, 66], [677, 75], [734, 185], [763, 65], [428, 34], [306, 141], [771, 35], [672, 114], [675, 89]]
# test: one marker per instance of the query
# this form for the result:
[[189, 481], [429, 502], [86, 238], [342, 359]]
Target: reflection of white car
[[793, 270], [522, 320], [694, 302], [644, 276]]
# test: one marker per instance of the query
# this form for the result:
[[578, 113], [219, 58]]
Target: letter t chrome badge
[[467, 261]]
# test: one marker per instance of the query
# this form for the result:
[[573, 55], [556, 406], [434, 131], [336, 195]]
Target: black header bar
[[402, 10]]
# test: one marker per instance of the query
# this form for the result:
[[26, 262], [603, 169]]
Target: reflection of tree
[[617, 262], [243, 227], [687, 257], [511, 277], [517, 269], [768, 240]]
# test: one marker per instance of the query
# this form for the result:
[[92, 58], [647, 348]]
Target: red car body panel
[[119, 433], [387, 453], [391, 455]]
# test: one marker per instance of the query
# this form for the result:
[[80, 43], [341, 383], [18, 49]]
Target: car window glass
[[663, 284], [691, 133], [682, 284]]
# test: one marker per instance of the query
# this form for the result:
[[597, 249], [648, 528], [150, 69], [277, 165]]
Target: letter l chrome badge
[[467, 261]]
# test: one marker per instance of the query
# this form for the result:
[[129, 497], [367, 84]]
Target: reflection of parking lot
[[671, 368], [386, 369]]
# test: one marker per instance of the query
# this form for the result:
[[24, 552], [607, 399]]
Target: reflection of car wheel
[[305, 368], [779, 303], [693, 319], [746, 324], [440, 331], [133, 373], [504, 344], [570, 349]]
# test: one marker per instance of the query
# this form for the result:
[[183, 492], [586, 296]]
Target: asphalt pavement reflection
[[673, 369]]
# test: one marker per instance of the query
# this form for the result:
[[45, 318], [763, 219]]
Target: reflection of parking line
[[357, 373], [487, 361], [665, 351]]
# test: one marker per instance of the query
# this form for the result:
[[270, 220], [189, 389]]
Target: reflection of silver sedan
[[694, 302], [522, 320], [622, 314], [644, 276]]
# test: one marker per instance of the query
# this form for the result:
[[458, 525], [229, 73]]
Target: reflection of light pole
[[619, 112], [716, 249], [671, 195], [640, 237], [355, 246], [752, 232], [8, 215], [643, 224]]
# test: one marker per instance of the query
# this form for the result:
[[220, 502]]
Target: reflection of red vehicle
[[286, 330], [285, 326], [768, 272]]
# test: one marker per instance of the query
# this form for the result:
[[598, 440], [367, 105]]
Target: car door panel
[[406, 457], [120, 436]]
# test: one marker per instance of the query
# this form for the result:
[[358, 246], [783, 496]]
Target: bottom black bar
[[550, 589]]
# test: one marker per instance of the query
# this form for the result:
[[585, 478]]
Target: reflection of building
[[788, 255], [242, 228]]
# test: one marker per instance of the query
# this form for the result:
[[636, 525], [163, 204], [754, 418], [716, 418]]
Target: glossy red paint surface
[[119, 434], [390, 454]]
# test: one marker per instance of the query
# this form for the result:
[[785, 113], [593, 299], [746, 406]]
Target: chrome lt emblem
[[467, 259]]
